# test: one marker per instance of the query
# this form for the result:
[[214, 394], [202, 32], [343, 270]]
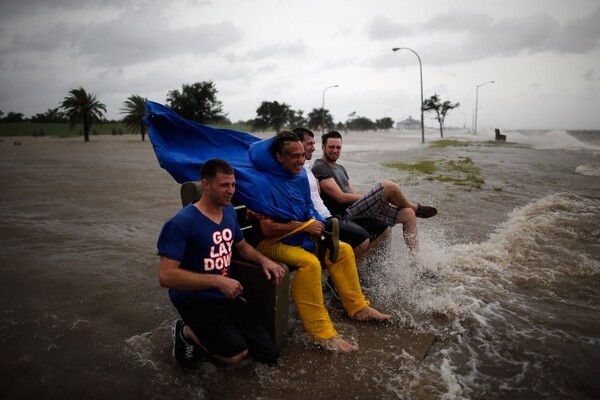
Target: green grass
[[439, 144], [424, 167], [58, 130], [62, 129], [460, 172]]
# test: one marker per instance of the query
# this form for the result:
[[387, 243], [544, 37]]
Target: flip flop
[[332, 239], [425, 211]]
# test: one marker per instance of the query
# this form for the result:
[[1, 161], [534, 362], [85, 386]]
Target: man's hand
[[315, 229], [230, 287], [272, 269]]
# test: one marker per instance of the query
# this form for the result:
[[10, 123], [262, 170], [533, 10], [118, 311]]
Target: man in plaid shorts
[[385, 201]]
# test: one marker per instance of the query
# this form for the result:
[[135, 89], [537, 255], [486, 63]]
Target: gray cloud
[[590, 76], [383, 28], [458, 20], [578, 36], [123, 36], [15, 8], [482, 36], [115, 48], [40, 40], [117, 43], [512, 36], [295, 49]]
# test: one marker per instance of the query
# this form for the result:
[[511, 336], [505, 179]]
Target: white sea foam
[[142, 349], [495, 293], [527, 241], [591, 169], [553, 139], [454, 388]]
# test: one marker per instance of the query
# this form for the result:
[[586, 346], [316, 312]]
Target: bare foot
[[370, 314], [337, 344]]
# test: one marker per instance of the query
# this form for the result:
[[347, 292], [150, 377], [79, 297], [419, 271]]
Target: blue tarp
[[263, 185]]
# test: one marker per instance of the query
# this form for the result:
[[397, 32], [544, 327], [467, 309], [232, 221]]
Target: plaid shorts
[[372, 204]]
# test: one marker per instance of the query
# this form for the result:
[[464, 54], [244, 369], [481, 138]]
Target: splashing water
[[512, 314]]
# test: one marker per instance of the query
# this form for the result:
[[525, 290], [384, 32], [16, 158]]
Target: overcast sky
[[544, 56]]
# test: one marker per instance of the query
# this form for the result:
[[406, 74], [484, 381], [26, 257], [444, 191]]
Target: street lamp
[[323, 108], [421, 73], [385, 112], [477, 103]]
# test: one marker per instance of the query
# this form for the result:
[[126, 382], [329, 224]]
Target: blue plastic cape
[[262, 184]]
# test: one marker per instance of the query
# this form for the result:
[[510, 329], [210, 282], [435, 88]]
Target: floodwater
[[515, 306]]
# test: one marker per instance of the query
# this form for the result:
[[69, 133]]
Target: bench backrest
[[500, 137]]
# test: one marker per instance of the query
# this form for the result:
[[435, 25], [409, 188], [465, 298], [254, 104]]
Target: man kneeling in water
[[195, 248]]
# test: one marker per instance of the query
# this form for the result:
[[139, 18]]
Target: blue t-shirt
[[200, 245]]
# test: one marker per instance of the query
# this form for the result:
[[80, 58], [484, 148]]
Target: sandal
[[425, 211], [332, 239]]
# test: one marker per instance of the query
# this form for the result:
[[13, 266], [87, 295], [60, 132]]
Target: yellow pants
[[306, 286]]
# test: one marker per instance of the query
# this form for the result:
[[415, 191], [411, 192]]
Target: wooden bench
[[500, 137], [270, 302]]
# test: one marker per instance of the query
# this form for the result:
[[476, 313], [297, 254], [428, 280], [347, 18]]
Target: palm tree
[[134, 109], [81, 106]]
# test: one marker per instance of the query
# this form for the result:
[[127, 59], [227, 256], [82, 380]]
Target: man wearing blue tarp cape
[[281, 194], [182, 146]]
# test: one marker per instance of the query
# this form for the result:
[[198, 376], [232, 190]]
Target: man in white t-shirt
[[362, 234]]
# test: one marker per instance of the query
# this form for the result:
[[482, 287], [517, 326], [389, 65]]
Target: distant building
[[409, 123]]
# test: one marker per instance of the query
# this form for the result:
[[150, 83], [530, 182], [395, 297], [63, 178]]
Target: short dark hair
[[330, 134], [301, 132], [281, 139], [212, 167]]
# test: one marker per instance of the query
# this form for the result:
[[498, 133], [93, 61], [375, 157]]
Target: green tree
[[272, 114], [82, 107], [134, 109], [53, 115], [384, 123], [360, 124], [297, 118], [13, 117], [320, 118], [434, 104], [197, 102]]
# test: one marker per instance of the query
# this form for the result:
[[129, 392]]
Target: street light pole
[[477, 104], [421, 73], [323, 108]]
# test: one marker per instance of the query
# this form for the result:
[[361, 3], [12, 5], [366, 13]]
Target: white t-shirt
[[314, 194]]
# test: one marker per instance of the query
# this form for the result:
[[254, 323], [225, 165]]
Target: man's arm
[[171, 276], [270, 268], [272, 229], [330, 187]]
